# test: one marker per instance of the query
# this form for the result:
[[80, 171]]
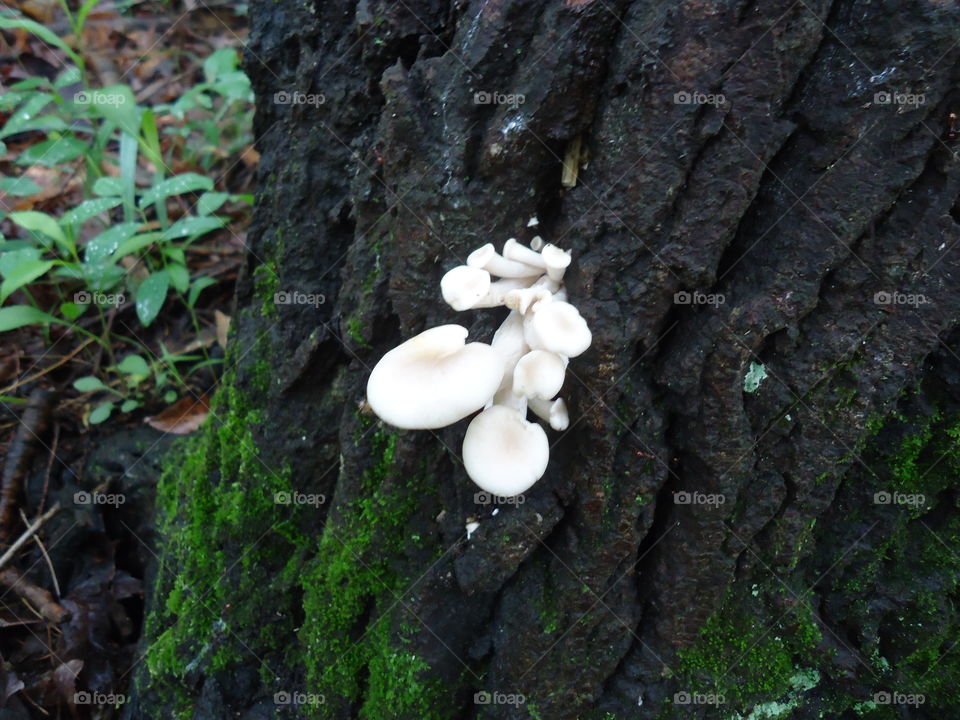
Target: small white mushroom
[[497, 294], [533, 222], [464, 286], [536, 243], [512, 250], [539, 375], [556, 260], [525, 298], [503, 453], [558, 327], [471, 528], [434, 379], [552, 411], [489, 259]]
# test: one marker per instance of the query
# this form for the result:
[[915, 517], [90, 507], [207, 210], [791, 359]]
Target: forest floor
[[91, 399]]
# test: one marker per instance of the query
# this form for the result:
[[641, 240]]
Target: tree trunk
[[759, 188]]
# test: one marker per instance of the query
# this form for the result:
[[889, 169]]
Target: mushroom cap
[[434, 379], [503, 453], [463, 286], [558, 327], [555, 257], [539, 374]]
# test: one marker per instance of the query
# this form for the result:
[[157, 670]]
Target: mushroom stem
[[489, 259], [551, 411], [526, 298], [512, 250], [556, 260], [497, 294]]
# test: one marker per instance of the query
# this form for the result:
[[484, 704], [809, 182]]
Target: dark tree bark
[[793, 203]]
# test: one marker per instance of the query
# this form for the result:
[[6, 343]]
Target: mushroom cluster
[[437, 378]]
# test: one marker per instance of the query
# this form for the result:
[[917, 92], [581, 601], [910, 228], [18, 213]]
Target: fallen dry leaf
[[223, 326], [184, 416]]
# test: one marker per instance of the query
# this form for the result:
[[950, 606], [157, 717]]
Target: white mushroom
[[556, 261], [434, 379], [536, 242], [558, 327], [552, 411], [489, 259], [512, 250], [464, 286], [503, 453], [523, 299], [497, 294], [539, 375]]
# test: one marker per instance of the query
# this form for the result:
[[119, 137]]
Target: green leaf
[[151, 295], [128, 174], [199, 285], [24, 274], [192, 226], [108, 186], [177, 185], [19, 315], [102, 246], [30, 83], [42, 223], [25, 117], [169, 396], [137, 242], [88, 384], [100, 413], [71, 311], [134, 365], [116, 104], [129, 405], [12, 259], [151, 140], [179, 277], [220, 62], [210, 202], [88, 209], [48, 36], [53, 151], [19, 186]]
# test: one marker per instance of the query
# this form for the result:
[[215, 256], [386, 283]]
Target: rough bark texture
[[603, 595]]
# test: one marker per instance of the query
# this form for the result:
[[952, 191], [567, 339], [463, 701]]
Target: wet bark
[[787, 207]]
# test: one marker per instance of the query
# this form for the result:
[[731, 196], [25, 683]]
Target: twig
[[49, 608], [27, 534], [46, 477], [19, 458], [62, 361], [43, 551]]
